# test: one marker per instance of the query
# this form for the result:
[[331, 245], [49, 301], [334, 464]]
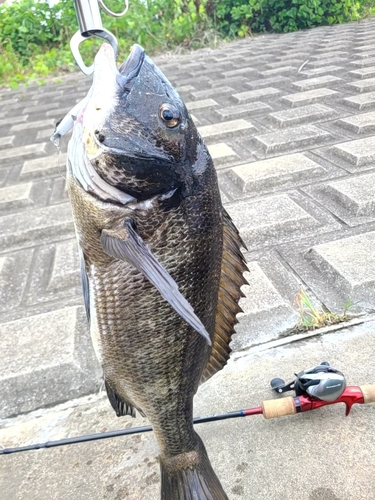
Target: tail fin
[[190, 476]]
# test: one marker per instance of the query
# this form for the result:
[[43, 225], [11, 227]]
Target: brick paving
[[288, 120]]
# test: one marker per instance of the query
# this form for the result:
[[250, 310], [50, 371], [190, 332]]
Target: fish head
[[137, 131]]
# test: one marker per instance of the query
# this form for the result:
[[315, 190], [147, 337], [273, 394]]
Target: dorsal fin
[[233, 266]]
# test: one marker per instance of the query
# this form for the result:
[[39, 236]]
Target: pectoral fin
[[127, 245]]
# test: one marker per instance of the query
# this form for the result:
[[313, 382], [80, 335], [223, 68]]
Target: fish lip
[[106, 69], [131, 67], [105, 64]]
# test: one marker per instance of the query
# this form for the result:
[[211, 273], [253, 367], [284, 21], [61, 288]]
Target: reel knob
[[277, 384]]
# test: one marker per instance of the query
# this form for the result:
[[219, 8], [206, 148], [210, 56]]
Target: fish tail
[[190, 476]]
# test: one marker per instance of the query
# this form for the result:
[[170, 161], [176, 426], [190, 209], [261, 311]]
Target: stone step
[[57, 362], [310, 96], [304, 114], [349, 264], [280, 171], [292, 138]]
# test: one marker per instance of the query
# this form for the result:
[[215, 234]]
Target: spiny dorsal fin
[[233, 265]]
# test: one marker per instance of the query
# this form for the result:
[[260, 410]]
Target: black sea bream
[[161, 261]]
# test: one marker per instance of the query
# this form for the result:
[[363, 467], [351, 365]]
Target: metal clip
[[90, 24], [114, 14], [78, 38]]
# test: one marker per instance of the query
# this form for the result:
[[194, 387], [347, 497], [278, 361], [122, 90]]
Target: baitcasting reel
[[322, 382]]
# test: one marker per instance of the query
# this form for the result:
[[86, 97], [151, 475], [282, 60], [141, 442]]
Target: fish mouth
[[131, 67], [107, 74], [111, 84]]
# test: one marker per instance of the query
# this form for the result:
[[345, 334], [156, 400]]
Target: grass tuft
[[312, 318]]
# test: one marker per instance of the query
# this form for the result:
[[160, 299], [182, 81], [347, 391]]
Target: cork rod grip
[[279, 407], [368, 392]]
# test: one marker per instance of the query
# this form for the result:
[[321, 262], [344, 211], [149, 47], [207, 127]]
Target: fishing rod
[[316, 387], [90, 24]]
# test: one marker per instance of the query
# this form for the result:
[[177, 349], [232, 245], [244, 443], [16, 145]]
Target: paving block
[[309, 97], [361, 102], [268, 82], [370, 61], [269, 219], [266, 314], [58, 113], [65, 270], [32, 226], [7, 102], [15, 196], [255, 95], [246, 70], [296, 54], [205, 103], [41, 108], [44, 167], [366, 85], [14, 272], [359, 153], [235, 81], [363, 72], [7, 141], [289, 61], [355, 194], [225, 129], [313, 83], [221, 153], [309, 113], [48, 95], [29, 149], [292, 138], [248, 110], [363, 123], [55, 276], [322, 71], [185, 88], [329, 54], [36, 124], [364, 48], [44, 134], [266, 174], [283, 70], [349, 264], [365, 55], [329, 61], [209, 93], [47, 358]]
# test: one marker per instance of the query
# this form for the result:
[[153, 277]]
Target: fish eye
[[169, 115]]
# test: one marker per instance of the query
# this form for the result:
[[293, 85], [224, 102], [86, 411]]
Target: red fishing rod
[[314, 388]]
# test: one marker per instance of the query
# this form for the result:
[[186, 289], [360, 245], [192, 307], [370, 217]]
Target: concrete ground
[[320, 455], [289, 120]]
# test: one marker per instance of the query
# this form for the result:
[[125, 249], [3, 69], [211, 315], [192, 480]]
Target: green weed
[[312, 318]]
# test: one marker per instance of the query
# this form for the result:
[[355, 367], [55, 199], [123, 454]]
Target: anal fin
[[119, 404]]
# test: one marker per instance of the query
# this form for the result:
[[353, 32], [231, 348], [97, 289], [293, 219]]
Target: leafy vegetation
[[34, 36], [243, 18]]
